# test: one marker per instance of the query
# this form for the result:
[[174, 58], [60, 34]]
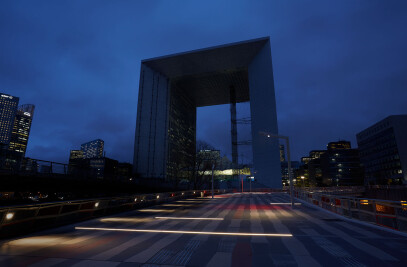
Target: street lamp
[[269, 135], [213, 166], [302, 177]]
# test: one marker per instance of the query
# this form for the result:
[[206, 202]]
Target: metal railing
[[391, 214], [24, 166], [16, 220], [335, 190]]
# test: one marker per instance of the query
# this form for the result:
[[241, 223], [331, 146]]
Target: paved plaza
[[257, 229]]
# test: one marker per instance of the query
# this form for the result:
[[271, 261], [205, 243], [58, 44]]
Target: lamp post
[[302, 178], [213, 166], [269, 135]]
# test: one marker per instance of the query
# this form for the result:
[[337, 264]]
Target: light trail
[[156, 210], [181, 232], [285, 203], [191, 201], [133, 220], [177, 205], [189, 218]]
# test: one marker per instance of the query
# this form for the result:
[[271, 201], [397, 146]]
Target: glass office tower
[[93, 149], [8, 110], [21, 128]]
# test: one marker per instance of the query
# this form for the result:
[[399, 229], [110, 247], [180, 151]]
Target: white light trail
[[156, 210], [189, 218], [181, 232], [176, 205], [284, 203]]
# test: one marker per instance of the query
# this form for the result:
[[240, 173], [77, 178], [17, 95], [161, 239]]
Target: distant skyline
[[339, 66]]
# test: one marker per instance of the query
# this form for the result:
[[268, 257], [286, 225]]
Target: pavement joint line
[[188, 218], [180, 232]]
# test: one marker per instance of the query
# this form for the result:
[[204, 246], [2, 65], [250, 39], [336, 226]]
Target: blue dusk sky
[[339, 66]]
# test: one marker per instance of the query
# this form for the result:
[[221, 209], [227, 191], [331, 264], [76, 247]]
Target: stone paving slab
[[312, 238]]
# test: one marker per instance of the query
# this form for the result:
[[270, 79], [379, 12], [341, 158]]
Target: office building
[[282, 153], [173, 87], [89, 161], [104, 168], [124, 171], [295, 165], [341, 165], [93, 149], [315, 168], [303, 171], [77, 165], [8, 110], [338, 165], [75, 154], [383, 151], [21, 128]]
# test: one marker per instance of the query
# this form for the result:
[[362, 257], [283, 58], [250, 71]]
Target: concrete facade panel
[[166, 115], [266, 154], [152, 124]]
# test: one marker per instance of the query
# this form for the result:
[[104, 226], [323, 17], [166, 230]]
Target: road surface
[[231, 230]]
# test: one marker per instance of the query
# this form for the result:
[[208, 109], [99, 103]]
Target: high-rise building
[[78, 166], [125, 171], [104, 168], [21, 128], [173, 87], [383, 151], [8, 109], [341, 165], [295, 165], [93, 149], [338, 145], [75, 154], [282, 153], [315, 168], [303, 171]]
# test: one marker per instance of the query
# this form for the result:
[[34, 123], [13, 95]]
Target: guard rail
[[15, 220], [391, 214]]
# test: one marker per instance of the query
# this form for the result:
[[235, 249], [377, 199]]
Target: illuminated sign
[[27, 114], [7, 96]]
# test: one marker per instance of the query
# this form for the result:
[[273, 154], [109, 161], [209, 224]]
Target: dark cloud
[[338, 66]]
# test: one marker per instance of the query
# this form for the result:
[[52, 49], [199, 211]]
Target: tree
[[180, 170], [205, 157]]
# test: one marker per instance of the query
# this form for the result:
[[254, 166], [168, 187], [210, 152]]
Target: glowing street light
[[9, 216]]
